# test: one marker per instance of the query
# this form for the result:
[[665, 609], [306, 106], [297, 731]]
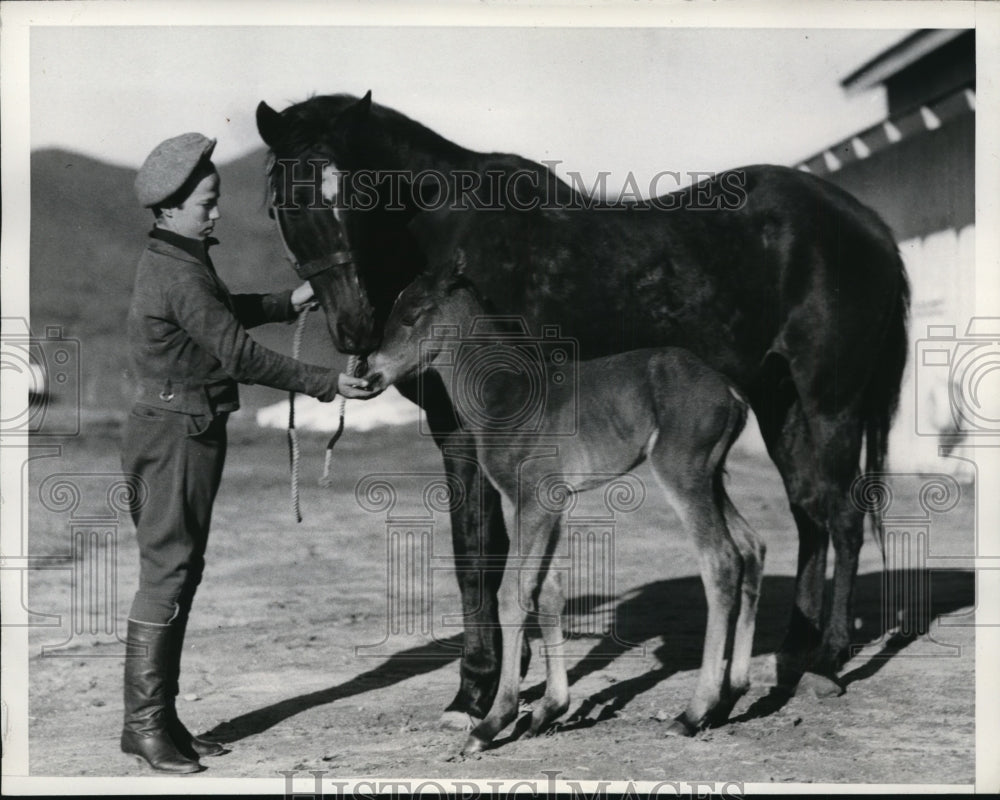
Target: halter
[[316, 266], [305, 272], [320, 265]]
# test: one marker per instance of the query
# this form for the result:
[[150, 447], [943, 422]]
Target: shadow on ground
[[668, 616]]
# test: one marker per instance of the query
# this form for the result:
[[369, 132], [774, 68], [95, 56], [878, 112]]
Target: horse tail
[[881, 399]]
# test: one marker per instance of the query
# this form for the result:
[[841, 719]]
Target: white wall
[[941, 267]]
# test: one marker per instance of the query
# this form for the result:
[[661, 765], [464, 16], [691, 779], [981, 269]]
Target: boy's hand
[[303, 298], [355, 388]]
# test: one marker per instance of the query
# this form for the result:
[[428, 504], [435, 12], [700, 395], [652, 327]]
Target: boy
[[189, 350]]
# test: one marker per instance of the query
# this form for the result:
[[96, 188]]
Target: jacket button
[[166, 397]]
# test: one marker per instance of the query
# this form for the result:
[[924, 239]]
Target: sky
[[594, 99]]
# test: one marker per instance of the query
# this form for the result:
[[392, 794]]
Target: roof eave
[[896, 58]]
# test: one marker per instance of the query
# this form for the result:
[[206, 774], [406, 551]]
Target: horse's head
[[422, 327], [310, 145]]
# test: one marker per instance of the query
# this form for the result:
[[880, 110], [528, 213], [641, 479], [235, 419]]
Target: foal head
[[427, 315]]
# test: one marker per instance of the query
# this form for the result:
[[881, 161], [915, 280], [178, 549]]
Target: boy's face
[[196, 216]]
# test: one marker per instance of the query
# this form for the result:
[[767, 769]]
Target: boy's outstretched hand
[[355, 388], [303, 297]]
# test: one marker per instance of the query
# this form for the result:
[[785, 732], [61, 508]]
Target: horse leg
[[817, 455], [785, 430], [518, 592], [550, 608], [826, 506], [480, 544], [840, 443]]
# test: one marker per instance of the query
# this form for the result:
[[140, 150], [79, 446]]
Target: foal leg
[[518, 590], [550, 608], [752, 549], [689, 488], [721, 571]]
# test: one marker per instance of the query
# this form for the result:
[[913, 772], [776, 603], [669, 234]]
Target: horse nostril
[[374, 380]]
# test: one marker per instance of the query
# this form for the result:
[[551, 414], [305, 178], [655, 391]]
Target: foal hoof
[[457, 721], [474, 745], [544, 717], [820, 686], [681, 727]]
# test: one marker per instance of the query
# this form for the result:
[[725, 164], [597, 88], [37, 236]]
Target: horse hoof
[[474, 745], [681, 727], [457, 721], [820, 686]]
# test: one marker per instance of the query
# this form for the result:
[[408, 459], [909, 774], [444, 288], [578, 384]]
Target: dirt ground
[[300, 655]]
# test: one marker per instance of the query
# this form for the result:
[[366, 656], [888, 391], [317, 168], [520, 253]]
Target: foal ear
[[453, 274], [268, 124], [455, 278]]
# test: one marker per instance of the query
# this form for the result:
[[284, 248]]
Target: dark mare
[[779, 280]]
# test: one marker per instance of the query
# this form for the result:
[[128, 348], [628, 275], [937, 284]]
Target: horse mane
[[307, 127]]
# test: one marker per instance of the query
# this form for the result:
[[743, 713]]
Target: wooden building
[[917, 169]]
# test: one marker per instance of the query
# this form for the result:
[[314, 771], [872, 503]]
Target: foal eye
[[409, 319]]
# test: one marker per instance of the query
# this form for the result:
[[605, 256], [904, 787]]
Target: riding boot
[[190, 745], [146, 730]]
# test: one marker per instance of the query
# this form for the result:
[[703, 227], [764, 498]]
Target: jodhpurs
[[174, 462]]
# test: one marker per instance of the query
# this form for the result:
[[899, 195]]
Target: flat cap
[[169, 165]]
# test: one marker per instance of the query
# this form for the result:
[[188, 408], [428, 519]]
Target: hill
[[87, 232]]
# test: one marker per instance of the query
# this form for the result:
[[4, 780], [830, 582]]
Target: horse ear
[[268, 124], [359, 111], [353, 117]]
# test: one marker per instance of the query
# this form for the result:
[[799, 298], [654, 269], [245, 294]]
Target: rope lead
[[326, 481], [293, 436]]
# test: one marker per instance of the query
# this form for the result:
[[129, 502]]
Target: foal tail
[[881, 397]]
